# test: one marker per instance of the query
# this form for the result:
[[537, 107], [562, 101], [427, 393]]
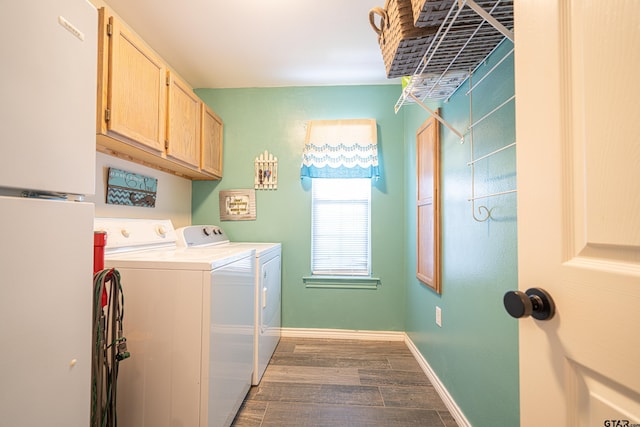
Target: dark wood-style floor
[[336, 382]]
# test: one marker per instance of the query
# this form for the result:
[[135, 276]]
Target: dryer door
[[268, 312], [270, 296]]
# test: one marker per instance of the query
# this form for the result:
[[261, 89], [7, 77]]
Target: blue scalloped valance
[[340, 149]]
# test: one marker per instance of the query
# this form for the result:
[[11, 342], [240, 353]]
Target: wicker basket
[[402, 44], [430, 13]]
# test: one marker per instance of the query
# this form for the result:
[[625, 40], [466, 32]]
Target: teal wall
[[274, 119], [475, 352]]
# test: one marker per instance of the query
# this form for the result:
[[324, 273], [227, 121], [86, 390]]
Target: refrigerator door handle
[[53, 196]]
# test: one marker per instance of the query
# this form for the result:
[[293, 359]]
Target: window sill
[[341, 282]]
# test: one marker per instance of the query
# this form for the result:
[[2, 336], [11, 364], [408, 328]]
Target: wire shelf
[[470, 32]]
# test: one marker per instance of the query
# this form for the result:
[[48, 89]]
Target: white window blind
[[340, 230]]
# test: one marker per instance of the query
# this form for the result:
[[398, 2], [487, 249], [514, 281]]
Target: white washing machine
[[268, 283], [189, 324]]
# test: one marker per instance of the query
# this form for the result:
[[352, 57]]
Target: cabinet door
[[136, 89], [428, 204], [183, 122], [212, 128]]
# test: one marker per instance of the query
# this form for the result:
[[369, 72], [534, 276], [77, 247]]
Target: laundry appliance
[[189, 324], [267, 287], [48, 81]]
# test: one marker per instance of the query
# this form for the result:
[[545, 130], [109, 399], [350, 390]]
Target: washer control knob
[[161, 230], [206, 231], [125, 232]]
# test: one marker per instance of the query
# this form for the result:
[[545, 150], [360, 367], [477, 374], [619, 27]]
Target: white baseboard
[[451, 405], [346, 334]]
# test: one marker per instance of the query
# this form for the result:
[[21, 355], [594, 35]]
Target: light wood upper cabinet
[[183, 122], [212, 127], [133, 87], [146, 113]]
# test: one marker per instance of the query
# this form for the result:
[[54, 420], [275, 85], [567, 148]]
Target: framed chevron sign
[[131, 189]]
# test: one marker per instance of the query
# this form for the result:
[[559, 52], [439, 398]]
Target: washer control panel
[[201, 235], [128, 234]]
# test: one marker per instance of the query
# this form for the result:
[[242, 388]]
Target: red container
[[99, 242]]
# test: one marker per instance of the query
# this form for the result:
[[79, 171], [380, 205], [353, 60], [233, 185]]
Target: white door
[[577, 125]]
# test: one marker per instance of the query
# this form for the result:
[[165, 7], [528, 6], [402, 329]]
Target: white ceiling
[[261, 43]]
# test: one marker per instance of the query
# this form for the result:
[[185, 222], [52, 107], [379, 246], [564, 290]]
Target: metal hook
[[481, 208]]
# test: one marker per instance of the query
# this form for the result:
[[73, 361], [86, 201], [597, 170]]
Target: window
[[341, 158], [340, 226]]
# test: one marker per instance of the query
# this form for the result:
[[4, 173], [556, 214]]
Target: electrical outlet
[[438, 316]]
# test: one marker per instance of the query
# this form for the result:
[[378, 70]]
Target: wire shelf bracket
[[438, 118]]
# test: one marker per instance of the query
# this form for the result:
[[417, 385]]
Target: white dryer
[[189, 324], [268, 284]]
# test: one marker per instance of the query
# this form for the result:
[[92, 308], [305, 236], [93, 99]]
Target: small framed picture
[[238, 205]]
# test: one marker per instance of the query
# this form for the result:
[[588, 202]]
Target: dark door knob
[[533, 302]]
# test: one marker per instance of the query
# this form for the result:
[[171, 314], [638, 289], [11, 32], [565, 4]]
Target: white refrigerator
[[48, 61]]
